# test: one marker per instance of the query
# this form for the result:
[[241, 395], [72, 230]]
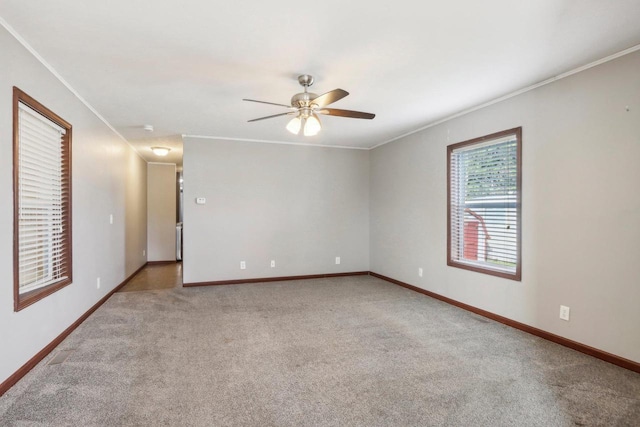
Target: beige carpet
[[353, 351]]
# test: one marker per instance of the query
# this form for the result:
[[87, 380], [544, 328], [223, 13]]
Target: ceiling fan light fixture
[[294, 125], [160, 151], [312, 126]]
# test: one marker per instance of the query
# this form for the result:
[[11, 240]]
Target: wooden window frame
[[24, 300], [517, 275]]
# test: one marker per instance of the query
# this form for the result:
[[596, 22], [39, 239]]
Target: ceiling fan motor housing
[[303, 99]]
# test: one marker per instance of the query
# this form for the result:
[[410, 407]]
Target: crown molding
[[516, 93]]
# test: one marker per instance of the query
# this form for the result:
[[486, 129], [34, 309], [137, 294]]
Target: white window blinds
[[485, 204], [43, 201]]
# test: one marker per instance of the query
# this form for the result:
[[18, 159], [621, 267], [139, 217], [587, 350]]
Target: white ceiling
[[185, 66]]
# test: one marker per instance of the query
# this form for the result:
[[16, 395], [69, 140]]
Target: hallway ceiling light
[[160, 151]]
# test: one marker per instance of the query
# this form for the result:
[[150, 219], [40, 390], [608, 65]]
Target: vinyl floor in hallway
[[155, 277]]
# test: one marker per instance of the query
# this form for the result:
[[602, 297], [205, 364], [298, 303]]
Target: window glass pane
[[42, 201], [40, 231], [484, 204]]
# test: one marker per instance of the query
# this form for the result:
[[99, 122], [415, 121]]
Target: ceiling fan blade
[[271, 117], [330, 97], [345, 113], [270, 103]]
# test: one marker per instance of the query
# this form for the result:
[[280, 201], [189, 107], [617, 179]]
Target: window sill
[[484, 269]]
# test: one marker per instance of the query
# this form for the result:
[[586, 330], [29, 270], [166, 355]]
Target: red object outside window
[[471, 240]]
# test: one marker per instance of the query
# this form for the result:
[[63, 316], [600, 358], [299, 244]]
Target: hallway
[[154, 277]]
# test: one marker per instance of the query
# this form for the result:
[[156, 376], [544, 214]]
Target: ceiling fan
[[306, 106]]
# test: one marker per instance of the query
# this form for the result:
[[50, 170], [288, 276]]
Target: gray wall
[[106, 180], [581, 208], [161, 211], [298, 205], [136, 212]]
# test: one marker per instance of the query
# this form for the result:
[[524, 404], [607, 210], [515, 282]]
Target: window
[[484, 185], [42, 201]]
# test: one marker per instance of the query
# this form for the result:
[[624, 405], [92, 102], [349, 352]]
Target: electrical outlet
[[337, 260], [564, 312], [144, 252], [420, 271], [98, 283], [243, 265], [110, 218], [273, 263]]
